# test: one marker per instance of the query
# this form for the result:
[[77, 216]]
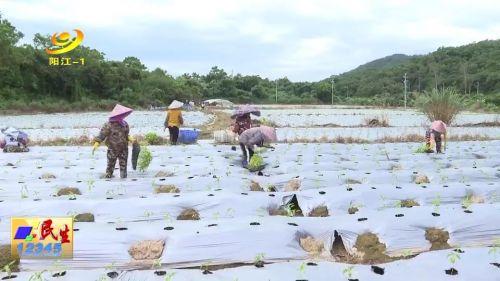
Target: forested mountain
[[28, 83]]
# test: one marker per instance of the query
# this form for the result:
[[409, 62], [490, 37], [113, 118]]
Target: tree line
[[29, 83]]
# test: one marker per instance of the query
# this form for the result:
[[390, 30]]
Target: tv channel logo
[[63, 43], [39, 238]]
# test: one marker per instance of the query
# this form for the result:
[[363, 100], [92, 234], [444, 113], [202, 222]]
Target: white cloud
[[302, 39]]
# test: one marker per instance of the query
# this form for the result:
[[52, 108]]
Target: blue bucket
[[188, 136]]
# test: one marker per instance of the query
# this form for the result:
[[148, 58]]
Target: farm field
[[317, 211], [320, 124]]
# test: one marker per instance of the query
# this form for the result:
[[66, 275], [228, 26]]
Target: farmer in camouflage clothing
[[13, 140], [115, 133]]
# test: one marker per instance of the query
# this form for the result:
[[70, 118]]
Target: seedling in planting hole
[[290, 212], [495, 248], [167, 217], [454, 256], [406, 253], [169, 276], [230, 213], [436, 202], [148, 214], [38, 276], [302, 269], [57, 268], [24, 192], [467, 201], [72, 196], [216, 215], [110, 266], [398, 204], [156, 264], [349, 272], [6, 268], [259, 260]]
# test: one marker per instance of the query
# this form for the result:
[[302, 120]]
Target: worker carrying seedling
[[13, 140], [255, 136], [434, 135], [174, 120], [115, 133]]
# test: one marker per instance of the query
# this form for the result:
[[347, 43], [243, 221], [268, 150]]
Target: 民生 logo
[[42, 237], [63, 43]]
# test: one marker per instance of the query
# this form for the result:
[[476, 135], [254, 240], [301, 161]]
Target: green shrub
[[145, 158], [152, 138], [441, 105]]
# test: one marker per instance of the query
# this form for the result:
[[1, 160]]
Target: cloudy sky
[[305, 40]]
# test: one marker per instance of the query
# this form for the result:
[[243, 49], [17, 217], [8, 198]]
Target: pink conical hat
[[439, 126], [269, 133], [120, 110]]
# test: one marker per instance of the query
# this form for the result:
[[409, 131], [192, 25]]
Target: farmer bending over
[[435, 134], [255, 136], [115, 133]]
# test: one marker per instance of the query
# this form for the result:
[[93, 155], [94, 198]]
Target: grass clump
[[152, 138], [68, 191], [168, 188], [7, 260], [85, 217], [145, 158], [441, 105]]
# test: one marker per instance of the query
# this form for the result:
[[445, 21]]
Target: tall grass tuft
[[441, 105]]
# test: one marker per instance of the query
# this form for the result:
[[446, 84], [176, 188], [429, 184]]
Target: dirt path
[[221, 121]]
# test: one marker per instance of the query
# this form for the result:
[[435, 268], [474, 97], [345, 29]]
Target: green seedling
[[169, 276], [453, 257], [467, 201], [290, 212], [38, 276], [302, 269], [8, 271], [348, 272], [156, 264], [90, 184], [406, 253], [495, 248], [145, 158], [167, 217], [24, 192], [436, 202]]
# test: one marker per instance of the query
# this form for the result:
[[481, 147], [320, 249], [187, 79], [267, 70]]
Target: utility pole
[[333, 85], [276, 90], [405, 88]]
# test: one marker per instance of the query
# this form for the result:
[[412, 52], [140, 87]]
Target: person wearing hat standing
[[435, 134], [174, 120], [115, 133]]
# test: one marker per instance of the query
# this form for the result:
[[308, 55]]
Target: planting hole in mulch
[[468, 211], [319, 211], [160, 272], [399, 215], [378, 270], [438, 238], [189, 214], [121, 228], [206, 271], [210, 225], [147, 250], [254, 223], [435, 214], [362, 219], [398, 187], [495, 264], [311, 264], [244, 193], [167, 188], [373, 250], [460, 251], [322, 192], [210, 195], [451, 271], [9, 277], [271, 195], [168, 228], [84, 217], [112, 274], [292, 223], [59, 274]]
